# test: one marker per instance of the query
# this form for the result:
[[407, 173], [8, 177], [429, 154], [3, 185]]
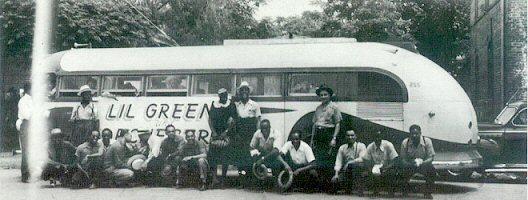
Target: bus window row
[[351, 86]]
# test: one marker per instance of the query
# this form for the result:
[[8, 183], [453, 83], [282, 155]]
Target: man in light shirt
[[380, 159], [301, 161], [349, 167], [24, 115], [265, 145]]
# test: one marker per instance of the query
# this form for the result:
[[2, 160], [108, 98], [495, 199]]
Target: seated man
[[59, 166], [301, 160], [194, 156], [169, 156], [89, 161], [349, 163], [106, 139], [265, 145], [417, 155], [380, 160], [115, 161]]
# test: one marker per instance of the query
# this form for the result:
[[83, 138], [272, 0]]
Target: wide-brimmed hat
[[244, 84], [136, 161], [84, 88], [324, 88]]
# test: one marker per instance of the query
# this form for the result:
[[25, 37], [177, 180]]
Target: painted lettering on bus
[[201, 134], [123, 111], [189, 111]]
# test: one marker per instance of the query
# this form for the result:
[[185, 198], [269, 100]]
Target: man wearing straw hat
[[84, 117]]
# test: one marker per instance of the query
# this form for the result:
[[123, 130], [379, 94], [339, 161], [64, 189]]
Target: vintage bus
[[377, 87]]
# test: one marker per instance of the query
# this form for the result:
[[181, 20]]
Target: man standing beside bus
[[326, 127], [22, 124], [84, 117], [221, 118], [417, 155], [247, 123]]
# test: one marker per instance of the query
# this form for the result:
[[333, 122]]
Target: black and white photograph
[[263, 99]]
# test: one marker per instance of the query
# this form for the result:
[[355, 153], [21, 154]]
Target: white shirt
[[258, 141], [85, 113], [250, 109], [382, 154], [301, 156], [25, 107]]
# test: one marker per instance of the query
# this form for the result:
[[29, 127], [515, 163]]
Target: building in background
[[498, 54]]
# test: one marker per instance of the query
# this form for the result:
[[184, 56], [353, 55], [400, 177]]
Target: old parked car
[[503, 142]]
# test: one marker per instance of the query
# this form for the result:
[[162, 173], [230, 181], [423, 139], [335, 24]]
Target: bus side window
[[305, 84], [210, 83], [520, 119], [69, 85], [123, 85], [263, 84], [167, 85]]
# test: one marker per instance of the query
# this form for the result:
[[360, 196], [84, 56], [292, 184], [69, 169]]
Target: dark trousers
[[245, 128], [93, 173], [82, 130], [59, 172], [152, 175], [390, 178], [324, 154], [353, 175], [309, 179], [24, 132], [427, 170]]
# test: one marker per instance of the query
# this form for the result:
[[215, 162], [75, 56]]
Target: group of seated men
[[104, 162], [113, 163]]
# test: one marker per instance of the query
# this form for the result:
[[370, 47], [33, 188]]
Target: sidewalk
[[8, 161]]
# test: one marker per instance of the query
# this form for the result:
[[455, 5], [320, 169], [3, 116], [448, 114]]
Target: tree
[[369, 20], [441, 30]]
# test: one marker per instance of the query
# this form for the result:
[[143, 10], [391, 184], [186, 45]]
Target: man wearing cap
[[380, 159], [25, 105], [221, 118], [417, 153], [246, 124], [89, 160], [266, 145], [349, 163], [194, 155], [84, 117], [115, 160], [326, 127], [169, 156], [61, 158]]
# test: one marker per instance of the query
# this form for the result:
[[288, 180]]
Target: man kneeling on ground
[[301, 161], [89, 161], [194, 155], [115, 161], [349, 167], [265, 146], [59, 166]]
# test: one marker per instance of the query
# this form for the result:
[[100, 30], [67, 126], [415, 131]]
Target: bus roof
[[152, 60]]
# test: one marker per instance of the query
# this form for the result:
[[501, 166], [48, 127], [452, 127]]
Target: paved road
[[12, 189]]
